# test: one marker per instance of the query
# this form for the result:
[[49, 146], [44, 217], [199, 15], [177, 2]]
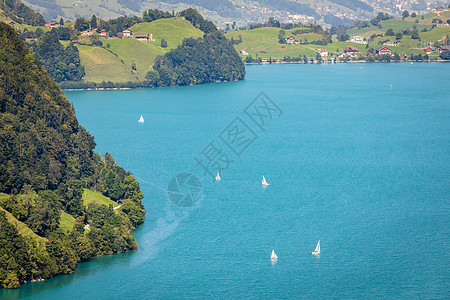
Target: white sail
[[141, 119], [317, 251], [218, 177], [273, 256], [264, 182]]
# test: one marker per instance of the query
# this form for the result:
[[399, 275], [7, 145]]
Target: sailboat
[[273, 256], [317, 251], [218, 177], [141, 119], [264, 182]]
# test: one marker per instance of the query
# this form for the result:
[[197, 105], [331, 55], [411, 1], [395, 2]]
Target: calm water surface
[[360, 159]]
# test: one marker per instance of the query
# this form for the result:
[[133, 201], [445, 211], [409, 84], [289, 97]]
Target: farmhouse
[[390, 43], [383, 51], [350, 49], [141, 36], [103, 33], [52, 24], [291, 40], [127, 32], [120, 35], [10, 23], [427, 50], [322, 52], [243, 52]]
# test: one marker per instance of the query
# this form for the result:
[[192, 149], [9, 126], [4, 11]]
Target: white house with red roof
[[323, 52]]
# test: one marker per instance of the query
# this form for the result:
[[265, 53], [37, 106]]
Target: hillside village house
[[322, 52], [383, 51], [358, 39], [390, 43], [120, 35], [443, 48], [87, 33], [52, 24], [441, 25], [427, 50], [350, 49], [141, 36], [127, 32], [10, 23], [243, 52], [291, 40], [103, 33]]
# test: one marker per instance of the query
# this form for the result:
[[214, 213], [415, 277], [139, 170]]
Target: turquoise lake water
[[358, 158]]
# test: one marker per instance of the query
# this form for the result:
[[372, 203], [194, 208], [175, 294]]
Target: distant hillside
[[18, 12], [411, 33], [114, 62], [335, 12], [95, 52]]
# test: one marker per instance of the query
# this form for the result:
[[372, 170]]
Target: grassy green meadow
[[113, 63], [91, 196]]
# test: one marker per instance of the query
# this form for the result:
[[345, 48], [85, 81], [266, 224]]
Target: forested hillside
[[46, 159]]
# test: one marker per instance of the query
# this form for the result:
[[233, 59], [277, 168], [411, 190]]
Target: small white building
[[243, 52], [391, 43], [358, 39], [322, 52]]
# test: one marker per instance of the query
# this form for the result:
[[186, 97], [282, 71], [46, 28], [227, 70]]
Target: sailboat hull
[[315, 253]]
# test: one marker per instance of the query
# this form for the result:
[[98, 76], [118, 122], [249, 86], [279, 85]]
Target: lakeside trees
[[46, 158], [208, 59], [63, 64]]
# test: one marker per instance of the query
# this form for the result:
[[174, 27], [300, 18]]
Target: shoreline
[[274, 61], [315, 62]]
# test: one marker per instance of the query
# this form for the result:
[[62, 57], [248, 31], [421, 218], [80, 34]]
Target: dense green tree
[[405, 14], [415, 34], [93, 22], [21, 13], [61, 22], [282, 37], [445, 55], [343, 37], [62, 64], [390, 32], [208, 59], [81, 24], [163, 43], [398, 36], [413, 15], [198, 21]]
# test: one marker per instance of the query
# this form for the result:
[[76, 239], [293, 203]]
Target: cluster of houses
[[52, 24], [141, 36], [430, 48]]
